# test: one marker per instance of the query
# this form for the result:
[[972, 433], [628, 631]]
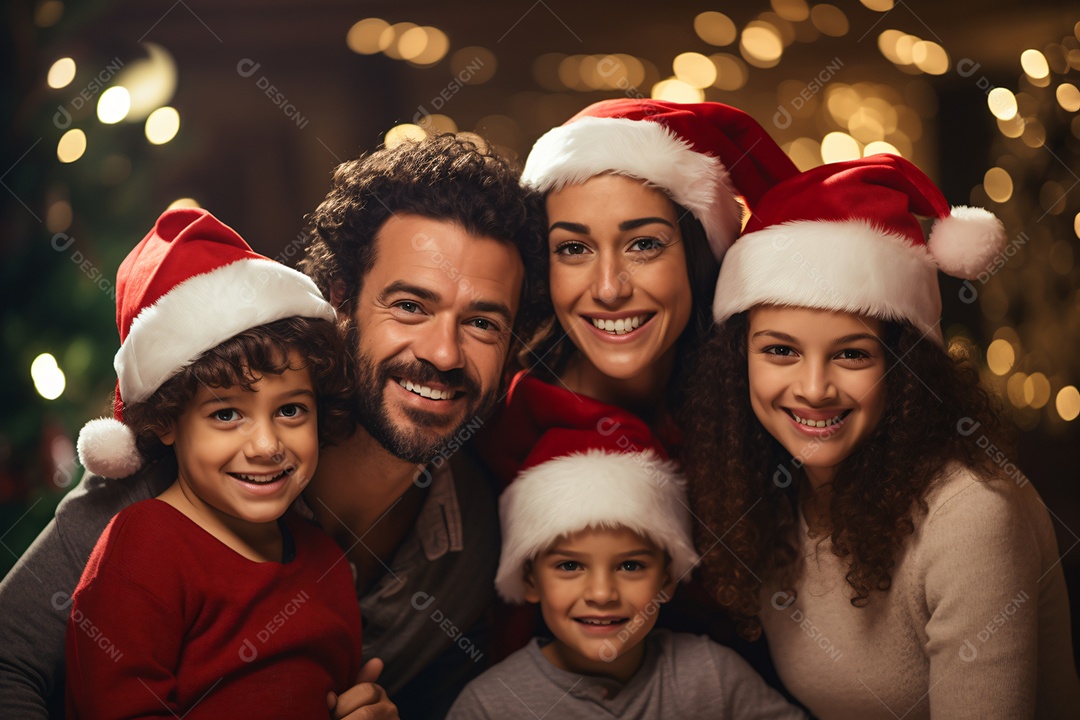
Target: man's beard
[[411, 443]]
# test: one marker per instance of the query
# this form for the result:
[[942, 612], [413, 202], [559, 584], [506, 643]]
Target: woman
[[641, 205], [836, 450]]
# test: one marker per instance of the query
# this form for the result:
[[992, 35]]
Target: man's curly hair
[[446, 177], [744, 485]]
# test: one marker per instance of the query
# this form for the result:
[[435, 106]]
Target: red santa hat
[[702, 154], [191, 284], [591, 472], [845, 236]]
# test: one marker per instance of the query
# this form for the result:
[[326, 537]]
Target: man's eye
[[409, 306], [483, 324]]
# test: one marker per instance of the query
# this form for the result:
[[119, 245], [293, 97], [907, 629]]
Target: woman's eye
[[853, 354], [779, 350], [226, 415], [571, 248], [647, 245]]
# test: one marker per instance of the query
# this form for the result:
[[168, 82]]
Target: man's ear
[[532, 592], [337, 294]]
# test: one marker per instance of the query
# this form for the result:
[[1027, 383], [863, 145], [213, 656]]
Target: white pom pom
[[965, 243], [107, 448]]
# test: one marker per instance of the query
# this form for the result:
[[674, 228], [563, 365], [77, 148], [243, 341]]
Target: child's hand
[[365, 700]]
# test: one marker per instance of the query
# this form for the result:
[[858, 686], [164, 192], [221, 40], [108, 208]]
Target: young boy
[[209, 601], [596, 530]]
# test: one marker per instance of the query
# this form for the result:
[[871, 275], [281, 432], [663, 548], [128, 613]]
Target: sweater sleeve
[[980, 559], [35, 597], [125, 633]]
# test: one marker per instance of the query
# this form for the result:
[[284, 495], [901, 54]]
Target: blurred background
[[113, 111]]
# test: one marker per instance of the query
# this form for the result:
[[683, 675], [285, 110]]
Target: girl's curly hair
[[241, 361], [744, 485]]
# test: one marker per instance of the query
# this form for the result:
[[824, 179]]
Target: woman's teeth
[[819, 423], [425, 391], [621, 326]]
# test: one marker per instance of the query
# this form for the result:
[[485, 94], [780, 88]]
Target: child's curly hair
[[732, 464], [241, 361]]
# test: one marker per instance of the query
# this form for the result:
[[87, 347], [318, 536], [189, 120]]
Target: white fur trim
[[593, 489], [204, 311], [846, 265], [107, 448], [647, 150], [965, 243]]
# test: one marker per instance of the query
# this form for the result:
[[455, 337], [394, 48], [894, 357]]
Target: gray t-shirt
[[683, 676]]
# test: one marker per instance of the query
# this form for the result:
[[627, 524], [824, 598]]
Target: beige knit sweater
[[976, 624]]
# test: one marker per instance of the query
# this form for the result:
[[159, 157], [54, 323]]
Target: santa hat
[[592, 473], [191, 284], [845, 236], [703, 155]]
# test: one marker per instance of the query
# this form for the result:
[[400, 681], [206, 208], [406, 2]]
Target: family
[[502, 431]]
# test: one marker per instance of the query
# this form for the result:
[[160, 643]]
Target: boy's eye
[[226, 415], [631, 565], [292, 410], [568, 566]]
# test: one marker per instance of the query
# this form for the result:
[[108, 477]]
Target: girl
[[836, 451]]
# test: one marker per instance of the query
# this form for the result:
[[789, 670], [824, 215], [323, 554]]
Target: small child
[[596, 530], [209, 601]]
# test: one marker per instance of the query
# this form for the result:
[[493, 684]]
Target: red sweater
[[168, 621]]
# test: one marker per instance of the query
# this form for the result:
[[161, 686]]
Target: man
[[421, 248]]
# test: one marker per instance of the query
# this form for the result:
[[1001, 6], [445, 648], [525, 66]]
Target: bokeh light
[[1067, 403], [1034, 64], [162, 125], [1002, 103], [363, 37], [838, 146], [72, 145], [48, 378], [61, 73], [998, 184], [1000, 357], [694, 69], [715, 28], [113, 105]]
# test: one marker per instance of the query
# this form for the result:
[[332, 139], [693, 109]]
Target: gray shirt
[[438, 584], [682, 676]]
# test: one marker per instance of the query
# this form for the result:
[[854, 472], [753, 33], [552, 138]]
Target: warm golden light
[[829, 19], [184, 202], [804, 152], [438, 44], [694, 69], [838, 146], [1014, 388], [1034, 64], [930, 57], [879, 5], [878, 147], [391, 36], [1002, 103], [438, 124], [998, 184], [61, 73], [473, 65], [731, 72], [58, 217], [401, 133], [1036, 390], [887, 42], [72, 145], [715, 28], [1012, 128], [1068, 97], [162, 125], [113, 105], [412, 43], [1000, 357], [761, 45], [675, 90], [48, 378], [363, 37], [1067, 403], [791, 10]]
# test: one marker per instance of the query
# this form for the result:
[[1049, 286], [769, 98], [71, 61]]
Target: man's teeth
[[818, 423], [620, 326], [588, 621], [425, 391]]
